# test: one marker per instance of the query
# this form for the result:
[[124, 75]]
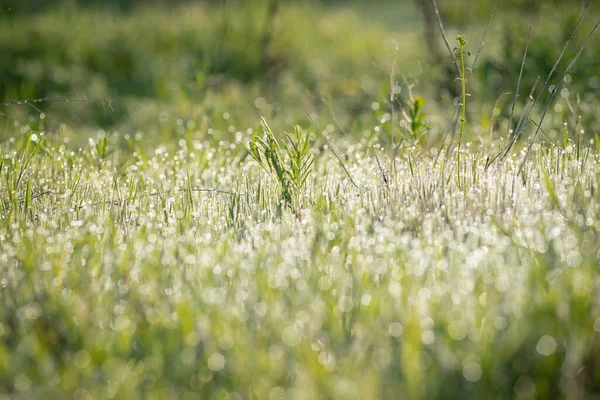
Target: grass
[[174, 273], [289, 169], [193, 250]]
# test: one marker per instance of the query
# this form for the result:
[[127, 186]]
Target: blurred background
[[213, 67]]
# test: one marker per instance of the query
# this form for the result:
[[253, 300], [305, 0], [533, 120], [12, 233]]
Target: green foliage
[[499, 67], [300, 159], [194, 62], [157, 282], [415, 117], [158, 262], [289, 167], [102, 147], [464, 12]]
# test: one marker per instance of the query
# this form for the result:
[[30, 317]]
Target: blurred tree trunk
[[430, 28], [272, 9], [270, 60], [431, 35]]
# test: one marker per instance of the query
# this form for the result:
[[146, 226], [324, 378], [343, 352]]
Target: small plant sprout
[[301, 160], [289, 167], [414, 117]]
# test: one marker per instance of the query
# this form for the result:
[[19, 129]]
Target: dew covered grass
[[174, 272], [157, 242]]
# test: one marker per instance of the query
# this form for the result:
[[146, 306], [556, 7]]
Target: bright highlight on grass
[[216, 243], [103, 252]]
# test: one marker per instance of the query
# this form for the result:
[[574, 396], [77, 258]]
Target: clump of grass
[[289, 166], [415, 117]]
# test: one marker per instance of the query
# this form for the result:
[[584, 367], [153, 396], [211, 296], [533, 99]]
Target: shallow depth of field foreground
[[122, 285], [287, 200]]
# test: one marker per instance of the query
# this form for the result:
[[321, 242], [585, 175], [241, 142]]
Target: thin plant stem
[[330, 146], [512, 110], [482, 42], [519, 129], [552, 94], [463, 102], [444, 36]]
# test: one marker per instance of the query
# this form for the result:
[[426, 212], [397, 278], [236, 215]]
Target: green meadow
[[276, 199]]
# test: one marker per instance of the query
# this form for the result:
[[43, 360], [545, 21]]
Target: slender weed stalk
[[553, 93], [330, 146], [493, 114], [394, 91], [462, 72], [460, 54], [445, 37], [512, 110], [527, 112]]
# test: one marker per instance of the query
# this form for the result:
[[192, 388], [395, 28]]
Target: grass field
[[176, 246]]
